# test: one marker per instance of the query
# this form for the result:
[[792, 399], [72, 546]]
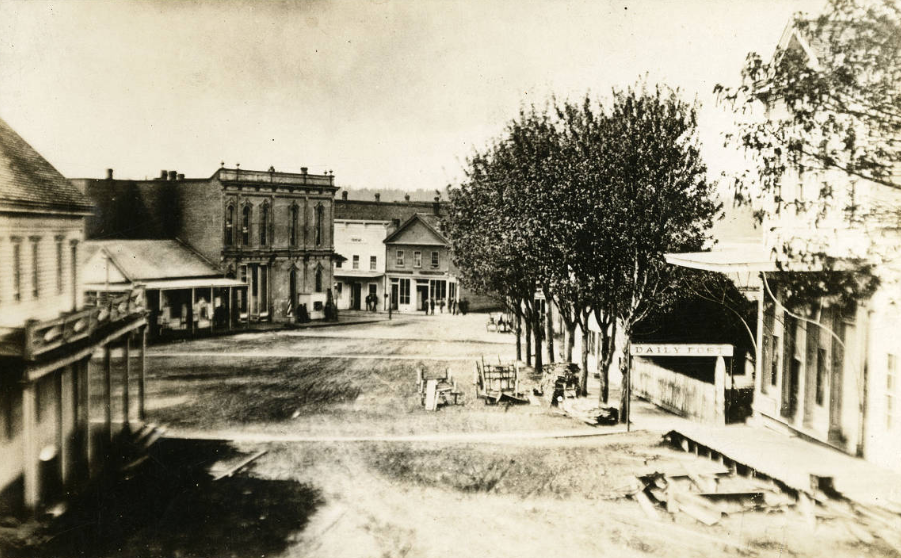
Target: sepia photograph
[[399, 278]]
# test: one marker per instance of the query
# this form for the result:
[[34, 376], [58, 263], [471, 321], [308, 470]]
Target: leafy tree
[[832, 116]]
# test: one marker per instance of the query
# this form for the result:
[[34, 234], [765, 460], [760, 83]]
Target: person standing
[[441, 306], [432, 305]]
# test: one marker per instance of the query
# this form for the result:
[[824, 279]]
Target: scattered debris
[[498, 382], [588, 411], [435, 391], [241, 464]]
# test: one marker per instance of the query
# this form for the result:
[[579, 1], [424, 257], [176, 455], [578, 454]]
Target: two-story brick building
[[60, 412], [272, 230]]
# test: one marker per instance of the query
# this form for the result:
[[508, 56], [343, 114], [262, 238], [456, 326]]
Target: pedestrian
[[432, 305], [388, 302], [453, 307], [441, 306]]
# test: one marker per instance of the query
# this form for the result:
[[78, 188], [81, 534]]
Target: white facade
[[363, 272]]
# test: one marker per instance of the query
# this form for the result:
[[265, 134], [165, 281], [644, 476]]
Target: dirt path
[[295, 354]]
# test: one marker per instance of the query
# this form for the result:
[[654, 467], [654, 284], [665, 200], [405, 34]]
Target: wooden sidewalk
[[793, 461]]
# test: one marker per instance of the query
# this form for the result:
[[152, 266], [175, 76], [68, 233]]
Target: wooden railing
[[40, 337]]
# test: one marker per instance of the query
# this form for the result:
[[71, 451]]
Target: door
[[395, 295], [356, 292], [422, 293], [373, 293], [791, 372]]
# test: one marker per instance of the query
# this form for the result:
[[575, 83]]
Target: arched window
[[318, 278], [295, 210], [264, 224], [319, 210], [229, 225], [245, 225]]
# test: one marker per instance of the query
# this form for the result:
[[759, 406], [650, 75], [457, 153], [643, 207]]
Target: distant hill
[[390, 194]]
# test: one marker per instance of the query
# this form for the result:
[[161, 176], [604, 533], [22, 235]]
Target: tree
[[833, 117]]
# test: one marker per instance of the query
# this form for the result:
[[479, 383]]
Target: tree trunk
[[518, 335], [528, 321], [583, 379], [624, 407], [605, 358], [537, 330], [550, 333], [570, 340]]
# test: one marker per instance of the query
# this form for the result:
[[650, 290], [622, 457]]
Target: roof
[[382, 211], [431, 223], [144, 260], [28, 181]]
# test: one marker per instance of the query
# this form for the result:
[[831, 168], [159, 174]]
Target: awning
[[750, 258], [199, 283], [350, 274]]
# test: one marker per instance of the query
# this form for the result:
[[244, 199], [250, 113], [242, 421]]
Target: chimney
[[163, 174], [303, 170], [344, 195], [181, 176], [109, 174], [173, 175], [378, 197], [406, 197], [436, 207]]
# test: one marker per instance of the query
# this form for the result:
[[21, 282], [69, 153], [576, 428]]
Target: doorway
[[355, 295], [422, 296]]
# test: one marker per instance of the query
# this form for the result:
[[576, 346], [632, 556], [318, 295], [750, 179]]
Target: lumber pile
[[706, 491], [589, 411]]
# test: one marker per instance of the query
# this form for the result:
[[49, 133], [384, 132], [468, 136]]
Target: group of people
[[372, 302], [453, 306]]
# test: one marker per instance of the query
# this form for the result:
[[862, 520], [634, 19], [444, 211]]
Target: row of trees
[[582, 201]]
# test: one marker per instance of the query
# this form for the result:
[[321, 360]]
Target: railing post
[[126, 424], [29, 429], [141, 374], [108, 392]]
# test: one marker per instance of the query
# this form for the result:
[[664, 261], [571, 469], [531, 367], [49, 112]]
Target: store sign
[[653, 349]]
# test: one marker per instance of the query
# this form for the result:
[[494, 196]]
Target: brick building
[[60, 411], [272, 230]]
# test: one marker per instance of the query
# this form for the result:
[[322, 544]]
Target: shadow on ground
[[173, 507]]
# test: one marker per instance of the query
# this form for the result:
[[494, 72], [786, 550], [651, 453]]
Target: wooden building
[[60, 410]]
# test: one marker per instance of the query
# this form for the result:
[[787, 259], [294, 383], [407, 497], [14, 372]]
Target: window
[[294, 213], [372, 263], [417, 259], [35, 268], [245, 225], [263, 282], [405, 291], [264, 224], [356, 262], [435, 260], [319, 211], [73, 271], [59, 265], [17, 269], [318, 279], [229, 225], [400, 258], [891, 385], [821, 376]]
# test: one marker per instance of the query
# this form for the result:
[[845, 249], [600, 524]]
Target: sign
[[683, 350]]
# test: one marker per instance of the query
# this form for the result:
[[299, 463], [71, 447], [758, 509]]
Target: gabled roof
[[28, 181], [429, 221], [143, 260]]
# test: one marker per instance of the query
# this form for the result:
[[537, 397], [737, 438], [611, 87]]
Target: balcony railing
[[40, 337]]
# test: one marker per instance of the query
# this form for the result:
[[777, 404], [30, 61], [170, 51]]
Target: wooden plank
[[240, 465], [646, 505], [431, 395]]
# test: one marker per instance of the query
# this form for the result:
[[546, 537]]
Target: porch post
[[719, 385], [758, 358], [108, 392], [212, 309], [231, 309], [126, 373], [30, 465], [85, 396], [141, 374], [191, 312]]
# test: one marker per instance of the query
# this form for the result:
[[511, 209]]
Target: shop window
[[405, 291]]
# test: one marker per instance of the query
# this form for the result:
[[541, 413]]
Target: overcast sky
[[386, 93]]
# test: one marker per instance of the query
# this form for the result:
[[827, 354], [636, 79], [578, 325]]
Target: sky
[[384, 93]]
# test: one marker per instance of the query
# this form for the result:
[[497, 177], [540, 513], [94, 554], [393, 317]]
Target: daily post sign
[[683, 350]]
